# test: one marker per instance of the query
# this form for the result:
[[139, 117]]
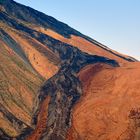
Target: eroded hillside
[[109, 108], [56, 83], [18, 85]]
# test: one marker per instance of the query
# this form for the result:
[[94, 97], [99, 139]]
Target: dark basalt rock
[[2, 2], [64, 88], [65, 91], [4, 136], [17, 124], [29, 15]]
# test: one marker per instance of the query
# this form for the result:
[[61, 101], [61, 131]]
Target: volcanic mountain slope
[[91, 92], [110, 107], [18, 85]]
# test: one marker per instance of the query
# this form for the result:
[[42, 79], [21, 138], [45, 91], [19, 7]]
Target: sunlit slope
[[50, 26], [19, 84], [86, 45], [25, 64], [109, 108], [43, 60], [42, 90]]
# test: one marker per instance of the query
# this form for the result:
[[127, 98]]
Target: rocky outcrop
[[4, 136], [65, 90]]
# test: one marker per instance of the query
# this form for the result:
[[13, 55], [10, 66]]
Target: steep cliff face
[[49, 72]]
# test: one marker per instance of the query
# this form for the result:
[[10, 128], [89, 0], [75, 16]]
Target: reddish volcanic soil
[[34, 49], [109, 108], [41, 123]]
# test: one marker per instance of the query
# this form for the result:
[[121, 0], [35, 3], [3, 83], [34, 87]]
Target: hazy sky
[[115, 23]]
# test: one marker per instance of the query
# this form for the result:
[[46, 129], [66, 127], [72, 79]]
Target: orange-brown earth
[[41, 121], [20, 78], [102, 113], [109, 108], [84, 45], [18, 86], [42, 59]]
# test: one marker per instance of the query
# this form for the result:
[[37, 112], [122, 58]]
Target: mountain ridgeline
[[45, 69]]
